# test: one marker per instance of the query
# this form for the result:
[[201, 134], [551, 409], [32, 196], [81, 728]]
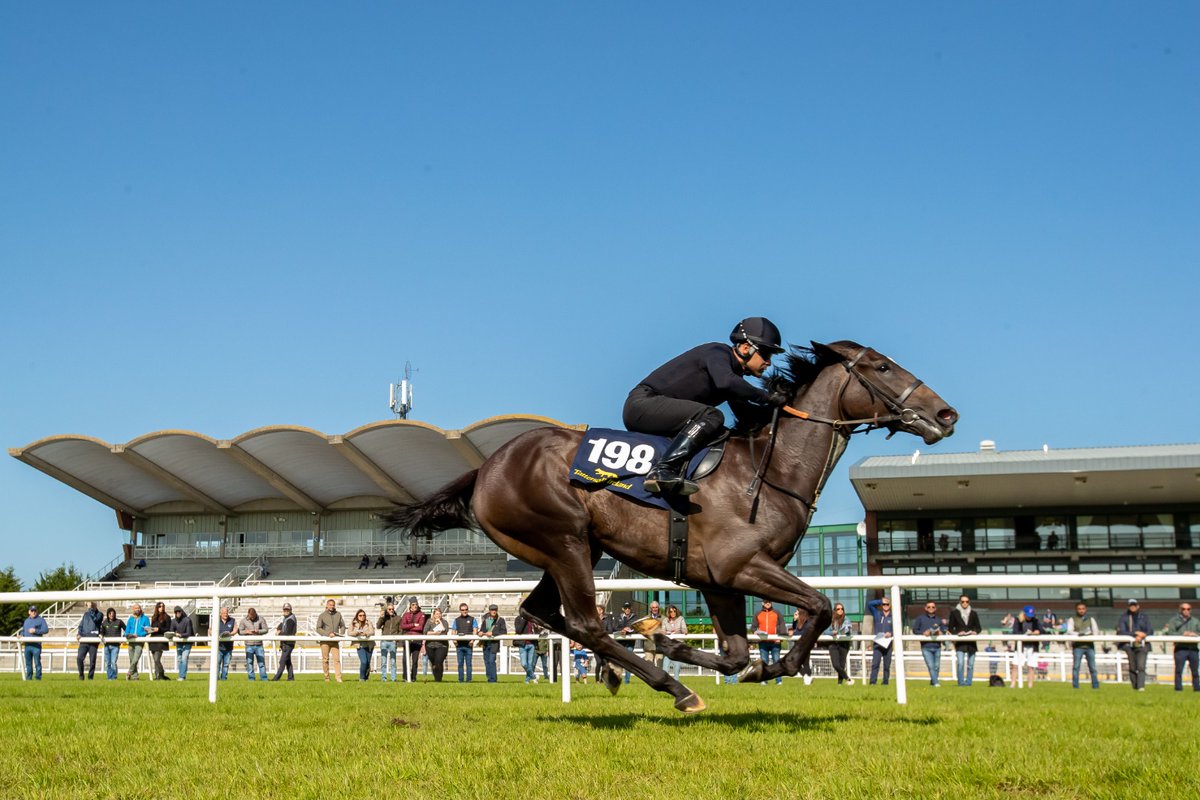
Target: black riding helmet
[[760, 332]]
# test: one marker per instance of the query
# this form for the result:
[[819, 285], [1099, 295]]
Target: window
[[898, 536], [841, 549], [1052, 532], [1151, 567], [948, 535], [995, 533], [1092, 532], [1022, 592]]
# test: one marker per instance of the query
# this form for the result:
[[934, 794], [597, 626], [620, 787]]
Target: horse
[[745, 524]]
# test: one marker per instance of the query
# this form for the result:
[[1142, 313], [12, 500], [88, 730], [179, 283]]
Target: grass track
[[62, 738]]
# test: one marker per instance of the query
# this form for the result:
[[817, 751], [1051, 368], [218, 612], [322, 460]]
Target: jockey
[[678, 399]]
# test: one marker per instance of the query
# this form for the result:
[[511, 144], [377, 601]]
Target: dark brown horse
[[522, 498]]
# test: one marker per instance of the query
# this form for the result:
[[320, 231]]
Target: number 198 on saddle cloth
[[619, 460]]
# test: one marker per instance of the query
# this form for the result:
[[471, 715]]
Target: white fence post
[[565, 678], [898, 645]]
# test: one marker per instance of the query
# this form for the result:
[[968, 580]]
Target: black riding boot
[[667, 476]]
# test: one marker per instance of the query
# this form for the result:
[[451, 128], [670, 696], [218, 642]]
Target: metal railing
[[893, 585]]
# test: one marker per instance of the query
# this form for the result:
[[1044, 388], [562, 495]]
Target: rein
[[843, 430]]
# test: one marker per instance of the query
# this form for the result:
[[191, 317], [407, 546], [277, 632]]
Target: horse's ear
[[824, 351]]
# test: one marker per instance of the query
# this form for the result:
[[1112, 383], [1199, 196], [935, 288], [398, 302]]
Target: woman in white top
[[673, 625], [435, 649]]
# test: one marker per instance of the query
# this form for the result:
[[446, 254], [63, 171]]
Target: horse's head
[[882, 388]]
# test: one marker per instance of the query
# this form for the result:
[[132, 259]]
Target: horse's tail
[[450, 507]]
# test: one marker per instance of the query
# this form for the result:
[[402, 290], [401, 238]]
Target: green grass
[[62, 738]]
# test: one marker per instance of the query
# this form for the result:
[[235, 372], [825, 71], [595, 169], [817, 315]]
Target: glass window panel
[[1092, 531], [897, 536], [948, 535], [1158, 530], [1123, 531], [842, 549], [995, 533], [1052, 532]]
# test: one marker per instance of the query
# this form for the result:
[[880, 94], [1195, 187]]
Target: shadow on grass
[[741, 721]]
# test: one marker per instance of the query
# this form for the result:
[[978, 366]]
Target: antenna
[[400, 395]]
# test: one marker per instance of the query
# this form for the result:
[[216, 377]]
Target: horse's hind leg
[[542, 605], [729, 622]]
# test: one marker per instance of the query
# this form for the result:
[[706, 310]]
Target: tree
[[64, 577], [11, 614]]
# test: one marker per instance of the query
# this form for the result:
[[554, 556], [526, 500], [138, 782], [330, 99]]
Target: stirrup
[[670, 484]]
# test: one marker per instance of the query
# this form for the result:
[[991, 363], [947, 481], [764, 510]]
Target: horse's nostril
[[948, 415]]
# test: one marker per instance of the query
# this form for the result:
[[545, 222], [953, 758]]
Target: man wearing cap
[[412, 623], [768, 623], [1187, 654], [88, 628], [32, 631], [286, 627], [1136, 624], [491, 626], [679, 398], [1027, 624], [182, 627], [464, 625]]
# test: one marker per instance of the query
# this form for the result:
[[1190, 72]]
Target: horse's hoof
[[646, 626], [692, 704], [612, 679]]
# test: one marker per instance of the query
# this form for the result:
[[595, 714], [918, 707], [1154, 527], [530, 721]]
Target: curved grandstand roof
[[279, 466]]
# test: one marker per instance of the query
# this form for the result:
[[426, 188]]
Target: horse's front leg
[[729, 622]]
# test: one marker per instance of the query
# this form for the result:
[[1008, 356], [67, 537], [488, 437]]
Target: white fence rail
[[892, 584]]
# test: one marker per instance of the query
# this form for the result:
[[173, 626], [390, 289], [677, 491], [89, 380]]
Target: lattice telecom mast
[[400, 395]]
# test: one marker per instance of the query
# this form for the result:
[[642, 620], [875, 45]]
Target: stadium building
[[1076, 511]]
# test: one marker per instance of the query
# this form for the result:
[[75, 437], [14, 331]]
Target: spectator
[[111, 631], [491, 626], [929, 625], [839, 649], [881, 647], [944, 542], [580, 655], [673, 625], [380, 561], [182, 627], [160, 626], [1052, 544], [1026, 624], [330, 626], [361, 629], [1187, 654], [964, 621], [1050, 624], [464, 625], [136, 627], [286, 627], [226, 627], [423, 560], [389, 625], [365, 563], [625, 626], [1083, 624], [32, 631], [523, 626], [1136, 624], [798, 630], [88, 627], [254, 626], [436, 649], [649, 651], [412, 623], [141, 564]]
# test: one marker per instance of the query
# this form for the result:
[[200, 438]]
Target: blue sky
[[224, 216]]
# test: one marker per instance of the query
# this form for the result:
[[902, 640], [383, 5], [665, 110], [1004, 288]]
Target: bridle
[[892, 402], [843, 430]]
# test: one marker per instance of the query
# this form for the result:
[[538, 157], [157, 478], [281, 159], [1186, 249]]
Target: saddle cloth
[[619, 460]]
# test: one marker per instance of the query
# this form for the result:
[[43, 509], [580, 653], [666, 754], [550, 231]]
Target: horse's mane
[[801, 365]]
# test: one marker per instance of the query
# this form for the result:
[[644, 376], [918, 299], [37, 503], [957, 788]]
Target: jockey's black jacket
[[710, 374]]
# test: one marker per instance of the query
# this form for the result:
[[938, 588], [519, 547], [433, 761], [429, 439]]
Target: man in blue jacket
[[929, 625], [32, 631], [881, 650], [1136, 624], [88, 628]]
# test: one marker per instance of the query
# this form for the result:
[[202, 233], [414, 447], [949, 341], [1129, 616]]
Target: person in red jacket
[[767, 622], [412, 623]]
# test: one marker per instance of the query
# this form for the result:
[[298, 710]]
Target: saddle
[[619, 460]]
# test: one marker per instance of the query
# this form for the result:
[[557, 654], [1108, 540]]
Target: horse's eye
[[883, 368]]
